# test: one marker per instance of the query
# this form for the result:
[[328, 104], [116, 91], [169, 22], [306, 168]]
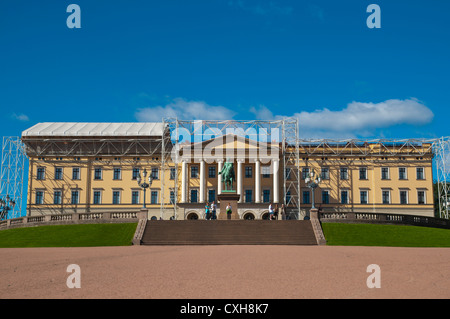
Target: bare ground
[[225, 272]]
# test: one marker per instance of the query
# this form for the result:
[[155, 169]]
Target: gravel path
[[223, 272]]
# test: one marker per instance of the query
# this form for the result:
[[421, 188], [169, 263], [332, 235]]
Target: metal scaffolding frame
[[12, 173], [14, 151], [283, 133]]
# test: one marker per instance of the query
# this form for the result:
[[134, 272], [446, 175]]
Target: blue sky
[[216, 59]]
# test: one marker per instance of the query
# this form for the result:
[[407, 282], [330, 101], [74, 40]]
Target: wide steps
[[229, 232]]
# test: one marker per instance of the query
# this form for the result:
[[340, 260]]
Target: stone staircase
[[228, 232]]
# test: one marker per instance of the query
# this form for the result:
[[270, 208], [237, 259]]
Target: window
[[75, 198], [211, 195], [288, 197], [403, 197], [134, 197], [248, 195], [265, 171], [420, 173], [58, 173], [385, 173], [211, 171], [305, 172], [363, 198], [154, 173], [344, 196], [97, 173], [325, 173], [57, 197], [421, 197], [287, 173], [194, 171], [386, 197], [116, 197], [344, 173], [363, 173], [248, 171], [172, 197], [39, 197], [75, 173], [266, 195], [154, 197], [402, 173], [325, 197], [97, 197], [117, 173], [193, 195], [306, 196], [40, 173], [135, 173], [172, 173]]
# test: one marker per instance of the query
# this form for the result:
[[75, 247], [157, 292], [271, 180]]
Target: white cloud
[[360, 118], [184, 110], [261, 113], [20, 117]]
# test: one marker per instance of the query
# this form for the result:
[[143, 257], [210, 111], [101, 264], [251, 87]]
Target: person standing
[[229, 211], [283, 212], [270, 211], [207, 212], [213, 210]]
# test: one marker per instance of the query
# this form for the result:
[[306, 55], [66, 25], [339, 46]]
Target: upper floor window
[[344, 173], [172, 173], [40, 173], [325, 173], [265, 171], [194, 171], [385, 173], [211, 171], [363, 173], [155, 173], [117, 173], [420, 173], [98, 173], [305, 172], [58, 173], [76, 173], [248, 171], [135, 173], [402, 173]]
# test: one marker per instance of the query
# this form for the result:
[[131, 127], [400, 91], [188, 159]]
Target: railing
[[75, 218], [383, 218]]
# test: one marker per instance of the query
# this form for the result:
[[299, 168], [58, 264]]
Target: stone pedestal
[[224, 200]]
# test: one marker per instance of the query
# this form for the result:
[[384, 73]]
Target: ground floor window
[[266, 196], [154, 197], [194, 196]]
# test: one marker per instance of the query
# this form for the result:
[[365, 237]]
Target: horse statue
[[228, 176]]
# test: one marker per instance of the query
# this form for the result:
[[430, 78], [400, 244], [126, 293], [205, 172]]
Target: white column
[[257, 181], [219, 177], [202, 181], [183, 181], [239, 179], [276, 186]]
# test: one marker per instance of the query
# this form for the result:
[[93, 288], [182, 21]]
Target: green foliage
[[385, 235], [79, 235]]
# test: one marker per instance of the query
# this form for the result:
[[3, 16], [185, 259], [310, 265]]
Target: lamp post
[[144, 185], [6, 205], [312, 182]]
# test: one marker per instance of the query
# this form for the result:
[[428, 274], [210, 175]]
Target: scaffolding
[[176, 133], [12, 174], [281, 133]]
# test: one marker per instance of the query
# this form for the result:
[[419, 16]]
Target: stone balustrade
[[74, 218], [382, 218]]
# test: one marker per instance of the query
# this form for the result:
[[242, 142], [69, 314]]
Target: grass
[[385, 235], [79, 235]]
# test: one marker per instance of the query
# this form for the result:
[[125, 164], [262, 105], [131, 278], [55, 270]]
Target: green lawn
[[385, 235], [80, 235]]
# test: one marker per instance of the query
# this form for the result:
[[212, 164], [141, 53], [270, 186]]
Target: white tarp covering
[[94, 129]]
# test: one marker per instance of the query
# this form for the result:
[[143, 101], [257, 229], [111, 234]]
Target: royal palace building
[[99, 167]]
